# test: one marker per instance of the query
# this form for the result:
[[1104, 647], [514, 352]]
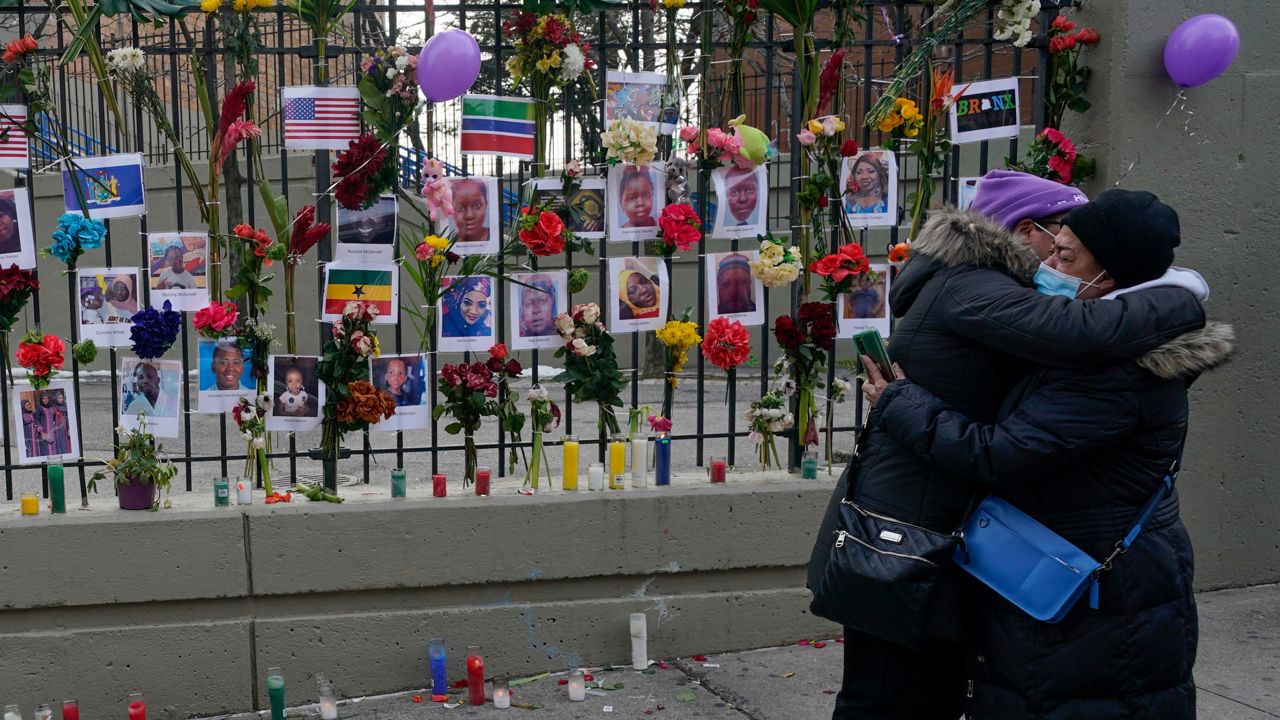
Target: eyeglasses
[[1045, 228]]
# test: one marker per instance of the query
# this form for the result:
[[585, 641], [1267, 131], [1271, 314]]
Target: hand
[[875, 383]]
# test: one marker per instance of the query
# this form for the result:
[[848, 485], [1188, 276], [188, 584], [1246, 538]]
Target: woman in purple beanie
[[1026, 205]]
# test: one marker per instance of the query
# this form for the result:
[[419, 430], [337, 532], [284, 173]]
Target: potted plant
[[137, 469]]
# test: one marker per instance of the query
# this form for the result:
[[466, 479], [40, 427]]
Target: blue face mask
[[1050, 281]]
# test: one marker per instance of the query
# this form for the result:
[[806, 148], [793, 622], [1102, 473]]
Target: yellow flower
[[377, 349], [210, 6], [890, 121], [899, 102], [910, 112], [911, 132], [240, 5], [435, 242], [815, 126], [673, 4], [770, 253]]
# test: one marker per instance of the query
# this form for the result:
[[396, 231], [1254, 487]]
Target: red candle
[[137, 710], [718, 470], [438, 488], [482, 481], [70, 710], [475, 679]]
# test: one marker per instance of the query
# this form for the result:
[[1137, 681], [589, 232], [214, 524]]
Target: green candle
[[57, 491], [275, 691]]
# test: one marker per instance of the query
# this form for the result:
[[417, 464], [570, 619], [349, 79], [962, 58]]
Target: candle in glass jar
[[475, 676], [438, 488], [44, 712], [439, 678], [501, 694], [328, 703], [275, 692], [483, 475], [577, 686], [595, 476], [398, 482], [809, 465], [662, 459], [221, 492], [640, 460], [244, 493], [70, 710], [570, 463], [617, 456], [57, 489], [719, 468], [639, 642], [137, 707], [30, 504], [12, 712]]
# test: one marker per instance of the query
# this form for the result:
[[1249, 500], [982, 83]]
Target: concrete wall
[[1222, 180], [193, 606]]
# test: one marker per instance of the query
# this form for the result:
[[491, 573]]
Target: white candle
[[501, 694], [595, 476], [640, 460], [12, 712], [244, 494], [577, 686], [639, 642]]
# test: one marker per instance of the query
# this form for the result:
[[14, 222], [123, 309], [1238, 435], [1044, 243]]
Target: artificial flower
[[74, 235], [806, 137], [680, 226], [41, 355], [726, 343], [154, 331], [359, 170], [630, 141], [849, 148], [15, 49], [217, 320], [543, 235]]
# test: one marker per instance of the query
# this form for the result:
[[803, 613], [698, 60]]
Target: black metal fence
[[623, 38]]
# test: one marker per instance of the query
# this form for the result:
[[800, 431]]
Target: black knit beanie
[[1131, 233]]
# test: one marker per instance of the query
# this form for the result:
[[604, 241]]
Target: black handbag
[[881, 575]]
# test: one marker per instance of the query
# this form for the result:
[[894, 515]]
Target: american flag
[[320, 118], [13, 137]]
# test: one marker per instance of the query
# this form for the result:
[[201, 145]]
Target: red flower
[[726, 343], [1053, 135], [788, 335], [811, 311], [305, 232], [499, 352], [1062, 43], [355, 167], [822, 201], [680, 226], [823, 330], [829, 82], [546, 236], [217, 319], [849, 148], [899, 253], [1088, 36], [17, 48], [1062, 24], [827, 266], [42, 357], [513, 368], [1063, 167]]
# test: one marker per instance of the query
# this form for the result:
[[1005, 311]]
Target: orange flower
[[367, 404], [17, 48], [899, 253]]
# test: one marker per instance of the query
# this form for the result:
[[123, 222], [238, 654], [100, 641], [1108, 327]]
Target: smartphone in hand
[[869, 343]]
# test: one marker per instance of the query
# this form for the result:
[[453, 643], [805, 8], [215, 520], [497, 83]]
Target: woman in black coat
[[969, 326]]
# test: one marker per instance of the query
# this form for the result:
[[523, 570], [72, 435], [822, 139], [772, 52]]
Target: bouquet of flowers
[[677, 336], [506, 368], [1053, 156], [544, 233], [364, 171], [727, 343], [42, 356], [16, 288], [548, 53], [351, 401], [154, 331], [841, 269], [429, 261], [250, 418], [1067, 77], [767, 416], [821, 142], [590, 366], [630, 141], [681, 229], [389, 88], [75, 235], [778, 264], [743, 146], [258, 251], [805, 340], [544, 416], [469, 393]]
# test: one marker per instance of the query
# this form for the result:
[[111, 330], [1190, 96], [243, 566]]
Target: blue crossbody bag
[[1033, 567]]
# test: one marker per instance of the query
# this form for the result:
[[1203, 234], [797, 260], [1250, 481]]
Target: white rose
[[590, 313], [755, 437], [564, 324], [581, 348], [259, 443]]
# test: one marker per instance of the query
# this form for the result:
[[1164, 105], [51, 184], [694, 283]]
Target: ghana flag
[[372, 283], [493, 125]]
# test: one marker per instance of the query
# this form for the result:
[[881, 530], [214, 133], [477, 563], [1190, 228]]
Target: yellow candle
[[570, 462], [30, 504], [617, 462]]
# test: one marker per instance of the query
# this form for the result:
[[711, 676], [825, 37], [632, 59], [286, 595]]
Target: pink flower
[[573, 169], [689, 133], [659, 423], [218, 318], [423, 251], [680, 226], [806, 138], [732, 146], [716, 138], [361, 343], [236, 132]]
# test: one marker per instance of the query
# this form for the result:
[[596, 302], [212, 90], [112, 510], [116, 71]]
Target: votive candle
[[617, 457], [719, 469], [221, 492], [577, 686], [439, 678], [501, 694], [639, 642], [137, 707], [275, 692], [328, 703], [475, 676], [483, 476], [809, 465], [12, 712], [244, 493], [57, 489], [70, 710], [44, 712], [595, 476], [438, 488], [662, 459], [30, 504], [398, 480], [640, 460], [571, 447]]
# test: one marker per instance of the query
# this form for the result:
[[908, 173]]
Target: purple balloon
[[448, 64], [1201, 49]]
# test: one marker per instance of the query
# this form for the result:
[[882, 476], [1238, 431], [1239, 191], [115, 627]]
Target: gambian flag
[[370, 284], [493, 125]]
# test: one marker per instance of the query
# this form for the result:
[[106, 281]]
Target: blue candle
[[662, 460], [439, 680]]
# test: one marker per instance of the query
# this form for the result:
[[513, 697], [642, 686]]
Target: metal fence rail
[[624, 39]]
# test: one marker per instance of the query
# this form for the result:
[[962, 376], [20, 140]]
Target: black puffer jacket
[[970, 326], [1081, 451]]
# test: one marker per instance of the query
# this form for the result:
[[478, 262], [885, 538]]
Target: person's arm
[[1054, 426], [994, 309]]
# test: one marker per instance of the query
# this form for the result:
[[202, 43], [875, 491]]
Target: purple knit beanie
[[1009, 197]]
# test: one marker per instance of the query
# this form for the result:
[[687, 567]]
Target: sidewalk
[[1237, 673]]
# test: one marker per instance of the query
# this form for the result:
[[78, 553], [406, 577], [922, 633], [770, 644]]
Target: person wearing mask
[[970, 324], [1030, 207], [1082, 451]]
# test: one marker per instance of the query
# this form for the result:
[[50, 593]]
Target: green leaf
[[372, 96], [453, 428]]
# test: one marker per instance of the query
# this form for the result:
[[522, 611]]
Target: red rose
[[544, 238], [498, 352], [1062, 43], [43, 357], [811, 311], [726, 343], [1062, 24], [513, 368], [680, 226], [827, 266], [785, 331], [822, 201], [493, 364], [849, 148], [1088, 36], [823, 330]]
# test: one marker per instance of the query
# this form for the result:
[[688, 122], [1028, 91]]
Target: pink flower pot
[[136, 495]]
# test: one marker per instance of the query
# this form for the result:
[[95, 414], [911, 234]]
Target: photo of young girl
[[297, 394], [636, 199]]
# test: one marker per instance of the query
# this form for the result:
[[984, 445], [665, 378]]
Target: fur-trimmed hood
[[1190, 354], [963, 237]]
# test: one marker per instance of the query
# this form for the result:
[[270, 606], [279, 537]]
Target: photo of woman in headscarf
[[122, 299], [538, 306], [51, 427], [30, 435], [639, 295], [467, 308], [866, 189]]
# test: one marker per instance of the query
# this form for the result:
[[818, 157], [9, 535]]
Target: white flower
[[247, 435], [573, 169], [537, 393], [264, 401], [126, 58], [361, 343], [841, 385], [259, 443], [564, 324], [581, 348], [591, 313], [755, 437], [402, 61], [391, 73], [572, 63]]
